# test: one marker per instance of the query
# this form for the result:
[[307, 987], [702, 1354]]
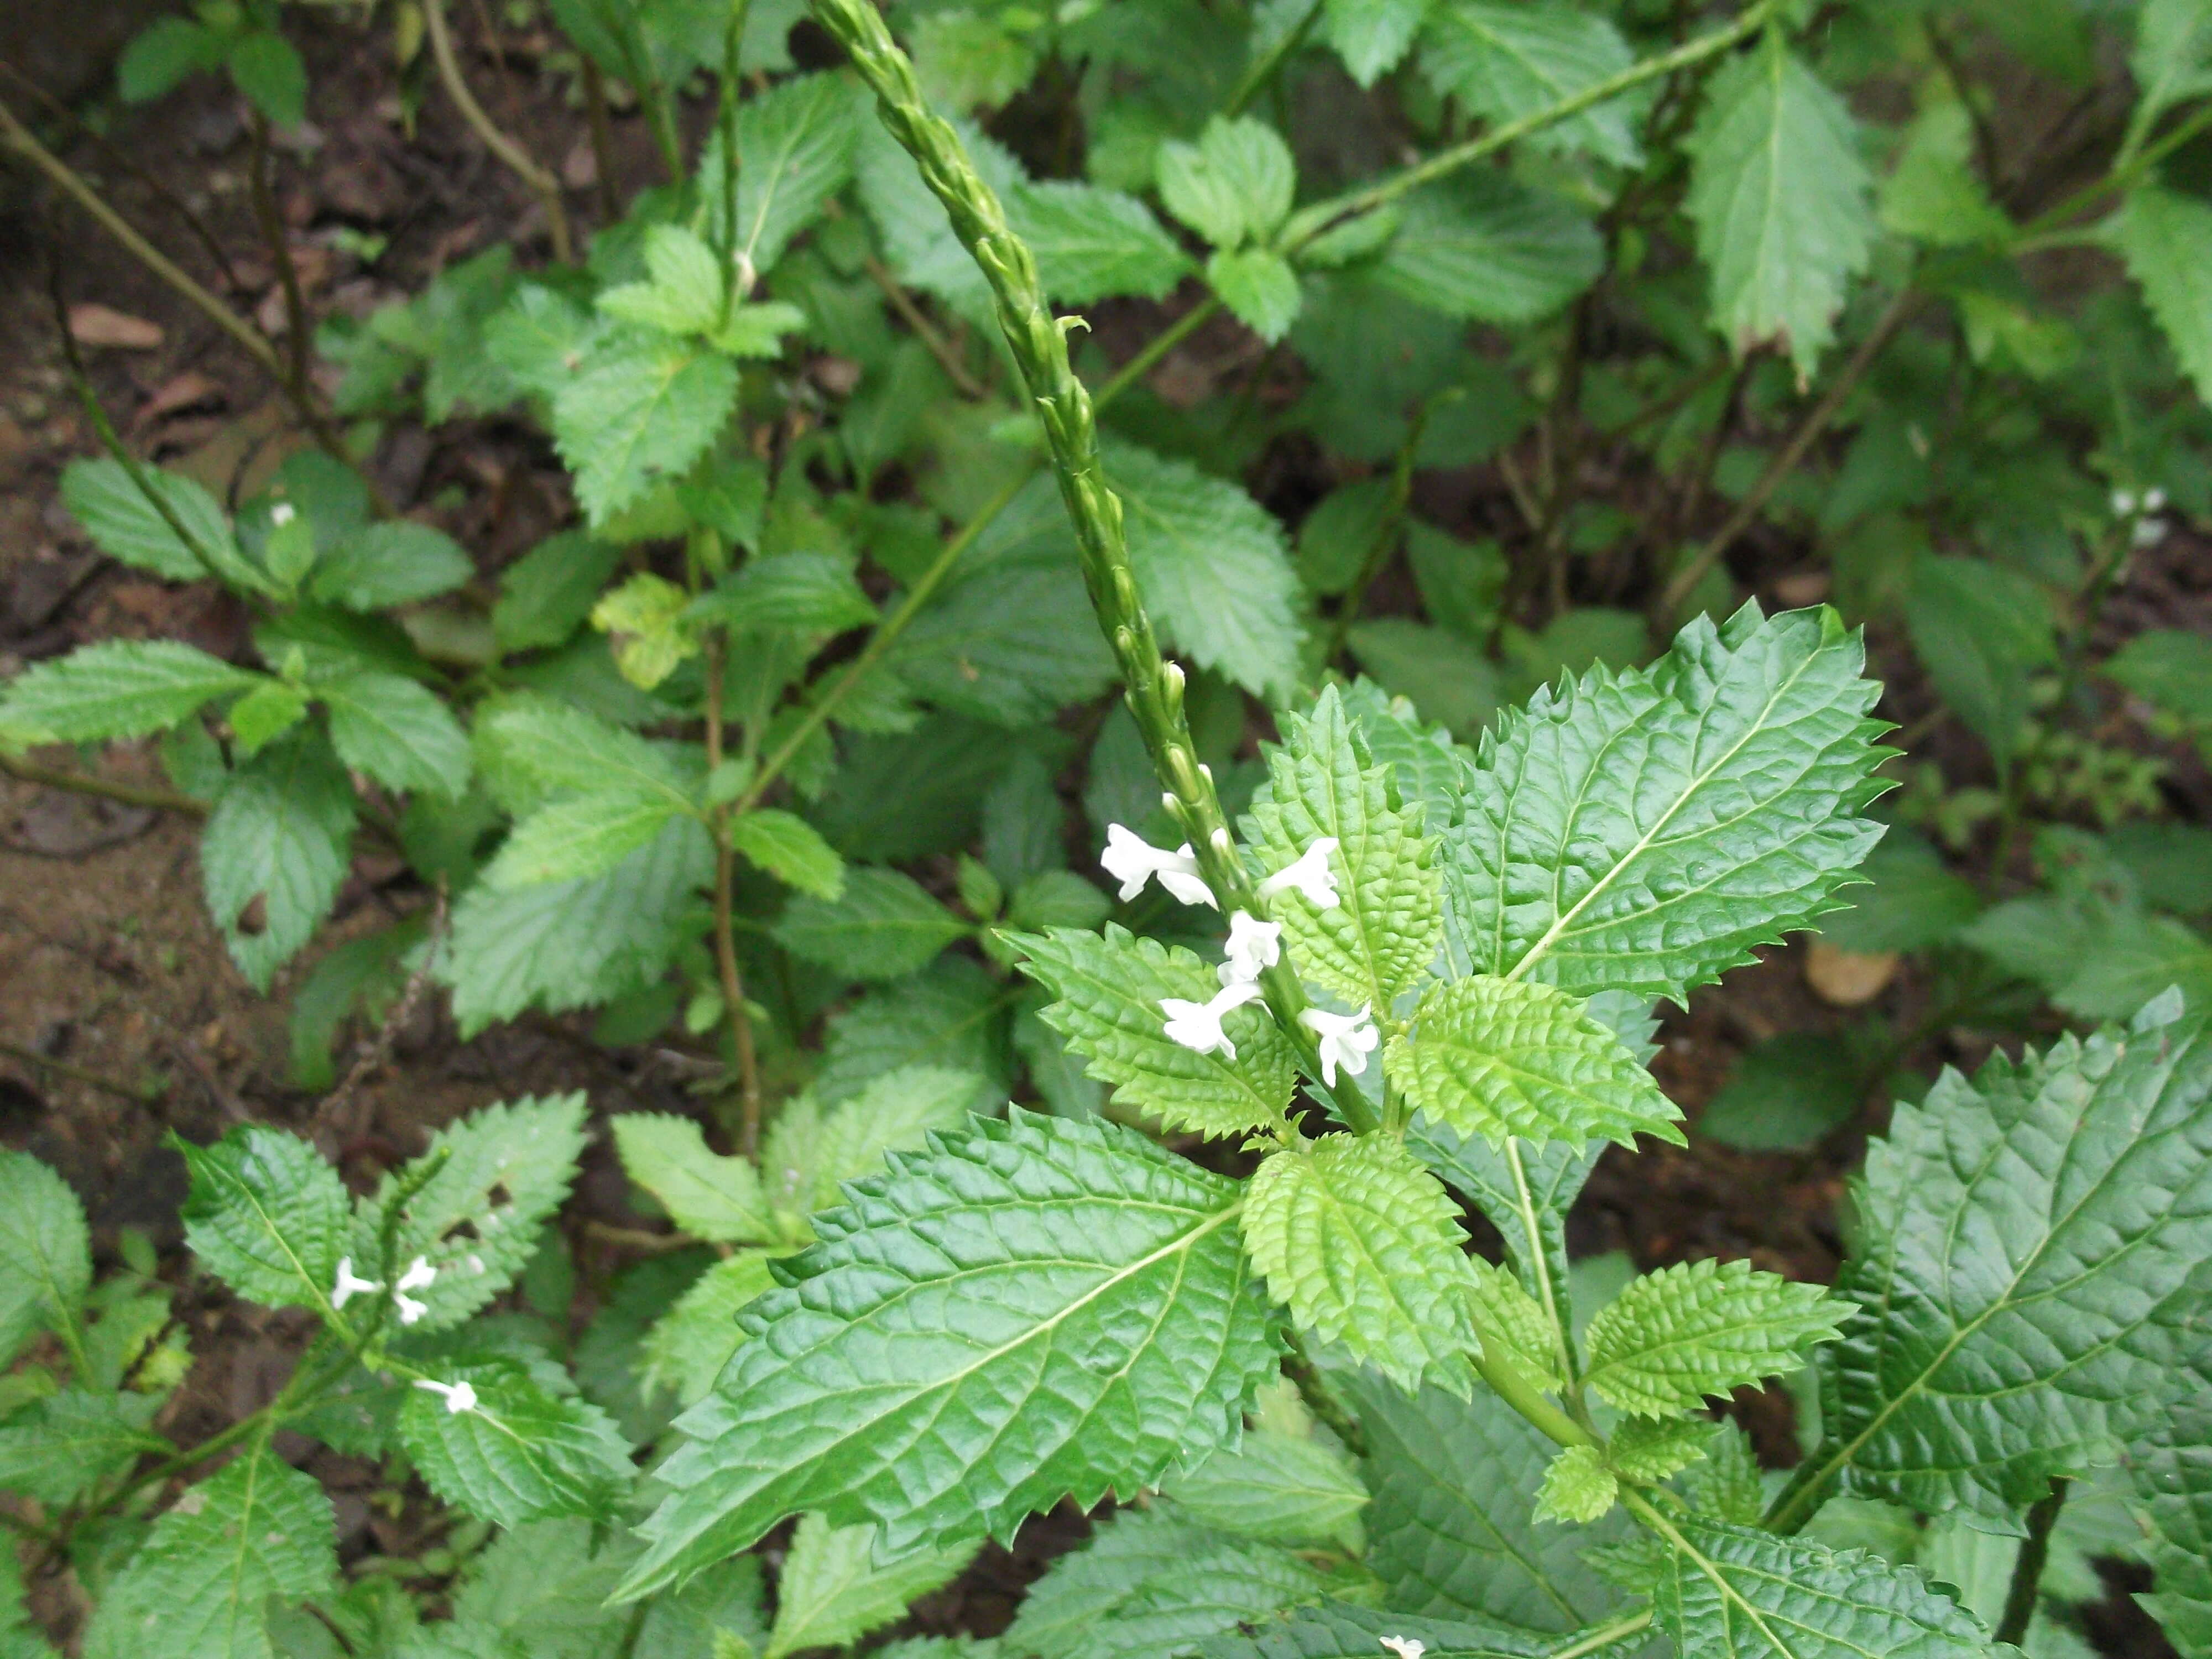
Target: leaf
[[398, 732], [1344, 1630], [1364, 1245], [790, 849], [519, 1454], [268, 1215], [641, 408], [1640, 831], [1259, 288], [951, 1015], [1279, 1488], [580, 837], [500, 1172], [1981, 630], [1371, 35], [832, 1593], [1501, 1057], [1234, 186], [708, 1195], [2172, 58], [805, 593], [1449, 678], [120, 688], [1505, 1314], [1100, 1287], [1482, 246], [269, 73], [1576, 1487], [1429, 767], [541, 1590], [2172, 1467], [1915, 901], [1388, 923], [544, 595], [1778, 195], [2082, 1179], [2168, 667], [1933, 195], [394, 564], [102, 497], [1108, 990], [1094, 244], [1702, 1327], [532, 749], [688, 288], [1735, 1593], [58, 1448], [160, 57], [1787, 1095], [894, 1113], [45, 1253], [1508, 62], [688, 1346], [884, 925], [794, 153], [2166, 240], [1213, 567], [281, 832], [199, 1586]]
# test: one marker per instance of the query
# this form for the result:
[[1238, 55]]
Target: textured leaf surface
[[398, 732], [1578, 1487], [1699, 1329], [282, 833], [1500, 1057], [1033, 1309], [1506, 62], [103, 497], [1279, 1488], [396, 563], [580, 837], [59, 1447], [520, 1454], [2171, 1465], [45, 1253], [1733, 1593], [1344, 1630], [832, 1593], [689, 1344], [882, 926], [269, 1215], [1480, 245], [894, 1113], [1389, 919], [791, 850], [120, 688], [1109, 990], [1640, 831], [1363, 1246], [2018, 1234], [1779, 198], [1371, 35], [2166, 240], [2172, 58], [708, 1195], [1091, 244], [794, 152], [642, 408]]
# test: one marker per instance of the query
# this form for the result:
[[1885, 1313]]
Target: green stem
[[1525, 1397], [1604, 1636], [733, 37], [1550, 1293], [1155, 348], [2028, 1566], [1393, 519], [1263, 68]]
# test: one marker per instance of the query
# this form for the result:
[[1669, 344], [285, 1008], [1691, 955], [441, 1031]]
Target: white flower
[[2153, 500], [1197, 1025], [410, 1308], [2125, 502], [1133, 861], [1406, 1647], [1253, 947], [419, 1273], [1310, 875], [351, 1285], [283, 513], [460, 1396], [1346, 1039]]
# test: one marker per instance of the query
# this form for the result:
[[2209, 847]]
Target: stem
[[603, 138], [726, 945], [2123, 173], [1153, 686], [1604, 1636], [733, 35], [1549, 1292], [83, 783], [1157, 347], [927, 333], [280, 255], [517, 160], [1525, 1397], [2028, 1566], [1386, 533], [1263, 69], [85, 1075]]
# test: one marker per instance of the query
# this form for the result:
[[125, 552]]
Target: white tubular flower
[[2125, 502], [410, 1308], [2153, 500], [350, 1284], [1253, 947], [1197, 1025], [1133, 861], [419, 1273], [1310, 875], [1406, 1647], [460, 1396], [1346, 1039], [283, 513]]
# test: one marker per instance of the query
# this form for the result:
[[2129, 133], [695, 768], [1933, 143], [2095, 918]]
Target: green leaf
[[103, 497], [1915, 901], [1101, 1286], [2172, 58], [1451, 1529], [794, 153], [1108, 989], [640, 409], [268, 72], [894, 1113], [1778, 195], [708, 1195], [159, 57], [1213, 567], [2166, 240], [541, 1590], [1787, 1095], [1649, 1449], [884, 925], [582, 836], [392, 563], [519, 1454], [1703, 1328], [1934, 195], [1576, 1487], [1448, 678], [2083, 1178], [544, 595], [963, 60], [1388, 923], [1981, 630], [1641, 830], [45, 1253], [1259, 288], [1371, 35], [2171, 1466], [265, 713], [757, 331], [269, 1216], [1430, 768], [1277, 1487], [688, 286], [532, 749], [791, 850], [1735, 1593], [1094, 244], [1505, 1314], [689, 1344], [805, 593], [951, 1015], [1501, 1057], [60, 1447], [1233, 186], [832, 1593], [398, 732], [281, 832], [2169, 667], [475, 1222], [1344, 1630], [1364, 1247], [120, 688], [199, 1587], [1482, 246], [1507, 63]]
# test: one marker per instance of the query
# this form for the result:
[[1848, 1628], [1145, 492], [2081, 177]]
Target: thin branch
[[83, 783], [141, 1095], [279, 254], [1264, 67], [603, 139], [1154, 349], [2027, 1565], [927, 333], [542, 183], [726, 946]]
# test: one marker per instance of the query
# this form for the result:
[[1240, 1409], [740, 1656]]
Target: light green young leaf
[[267, 69], [398, 732], [1505, 1314], [283, 832], [45, 1253], [2172, 668], [1578, 1487], [883, 926], [118, 689], [791, 850], [2166, 240], [1649, 1449], [1258, 287], [1639, 831], [1702, 1327], [1363, 1246], [1932, 195], [1233, 186], [1279, 1488], [2084, 1179], [199, 1586], [1371, 35], [1387, 925], [1501, 1057], [2172, 58], [519, 1454], [264, 714], [58, 1448], [396, 563], [894, 1113], [102, 497], [832, 1593], [1482, 246], [1108, 989], [1779, 198], [580, 837], [269, 1216], [1507, 61], [1093, 244], [1431, 768], [805, 593], [689, 1344], [688, 286], [642, 408], [1101, 1288], [708, 1195]]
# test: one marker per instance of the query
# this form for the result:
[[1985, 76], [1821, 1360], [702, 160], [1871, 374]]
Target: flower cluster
[[2149, 528], [460, 1396], [419, 1275]]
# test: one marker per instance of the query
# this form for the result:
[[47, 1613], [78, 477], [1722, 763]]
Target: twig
[[1263, 69], [927, 331], [603, 139], [143, 1095], [280, 255], [541, 183], [1154, 349], [83, 783], [2027, 1565], [1708, 458], [1393, 519], [726, 945]]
